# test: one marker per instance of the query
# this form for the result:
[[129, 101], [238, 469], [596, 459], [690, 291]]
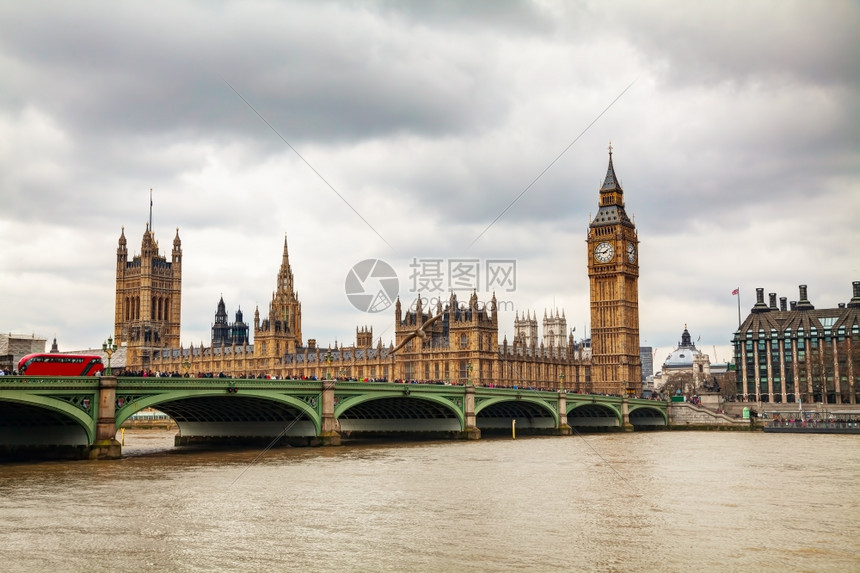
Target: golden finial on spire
[[610, 148]]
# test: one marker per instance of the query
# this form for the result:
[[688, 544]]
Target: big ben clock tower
[[613, 273]]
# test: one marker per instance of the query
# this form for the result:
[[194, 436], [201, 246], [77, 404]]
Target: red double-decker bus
[[60, 365]]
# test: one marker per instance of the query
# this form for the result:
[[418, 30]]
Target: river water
[[656, 501]]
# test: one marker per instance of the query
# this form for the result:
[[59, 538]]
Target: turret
[[122, 251], [176, 259]]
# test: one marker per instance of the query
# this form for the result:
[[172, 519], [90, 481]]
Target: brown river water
[[656, 501]]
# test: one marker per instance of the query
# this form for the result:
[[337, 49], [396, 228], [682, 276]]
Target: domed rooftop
[[682, 357]]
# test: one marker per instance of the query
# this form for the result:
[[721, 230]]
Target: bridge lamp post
[[328, 365], [561, 381], [109, 348], [469, 373], [185, 366]]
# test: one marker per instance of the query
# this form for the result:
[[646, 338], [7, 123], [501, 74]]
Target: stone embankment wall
[[683, 415]]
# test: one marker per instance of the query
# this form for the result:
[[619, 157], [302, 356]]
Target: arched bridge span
[[87, 412]]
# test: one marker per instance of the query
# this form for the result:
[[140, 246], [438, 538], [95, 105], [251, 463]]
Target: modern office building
[[794, 352]]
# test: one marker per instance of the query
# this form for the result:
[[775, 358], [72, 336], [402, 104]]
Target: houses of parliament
[[457, 342]]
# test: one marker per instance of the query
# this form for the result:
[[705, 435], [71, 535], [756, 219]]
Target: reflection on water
[[659, 501]]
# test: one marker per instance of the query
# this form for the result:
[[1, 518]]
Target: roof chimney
[[772, 300], [855, 300], [793, 305], [760, 306], [783, 301], [803, 303]]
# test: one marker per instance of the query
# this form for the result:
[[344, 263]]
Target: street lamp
[[561, 381], [469, 373], [109, 348], [328, 365]]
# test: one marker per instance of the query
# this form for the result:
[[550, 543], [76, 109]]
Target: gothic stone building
[[613, 273], [795, 352], [460, 346], [148, 298]]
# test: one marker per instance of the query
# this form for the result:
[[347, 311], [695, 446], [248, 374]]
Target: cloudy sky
[[400, 131]]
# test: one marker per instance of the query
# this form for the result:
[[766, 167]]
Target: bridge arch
[[530, 413], [398, 411], [249, 413], [36, 420], [644, 415], [593, 415]]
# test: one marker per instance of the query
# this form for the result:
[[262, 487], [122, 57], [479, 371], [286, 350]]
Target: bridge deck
[[87, 411]]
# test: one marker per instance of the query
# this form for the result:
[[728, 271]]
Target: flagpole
[[739, 307]]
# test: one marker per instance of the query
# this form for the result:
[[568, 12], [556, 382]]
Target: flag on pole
[[736, 291]]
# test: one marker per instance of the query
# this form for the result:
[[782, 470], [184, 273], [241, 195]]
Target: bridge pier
[[329, 435], [625, 415], [563, 428], [105, 446], [470, 425]]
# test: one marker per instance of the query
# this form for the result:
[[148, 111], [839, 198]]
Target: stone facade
[[461, 346], [148, 297], [613, 272]]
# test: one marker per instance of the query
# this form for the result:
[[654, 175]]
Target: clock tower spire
[[613, 273]]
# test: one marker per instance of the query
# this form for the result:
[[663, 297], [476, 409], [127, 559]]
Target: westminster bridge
[[79, 417]]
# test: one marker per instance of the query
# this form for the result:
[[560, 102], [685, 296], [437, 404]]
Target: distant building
[[526, 330], [555, 333], [795, 352], [646, 355], [687, 365], [228, 334], [13, 347], [554, 330], [686, 358]]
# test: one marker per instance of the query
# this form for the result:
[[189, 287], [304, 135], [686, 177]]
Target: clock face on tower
[[631, 252], [604, 252]]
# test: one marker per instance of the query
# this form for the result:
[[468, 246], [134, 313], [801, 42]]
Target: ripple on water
[[616, 502]]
